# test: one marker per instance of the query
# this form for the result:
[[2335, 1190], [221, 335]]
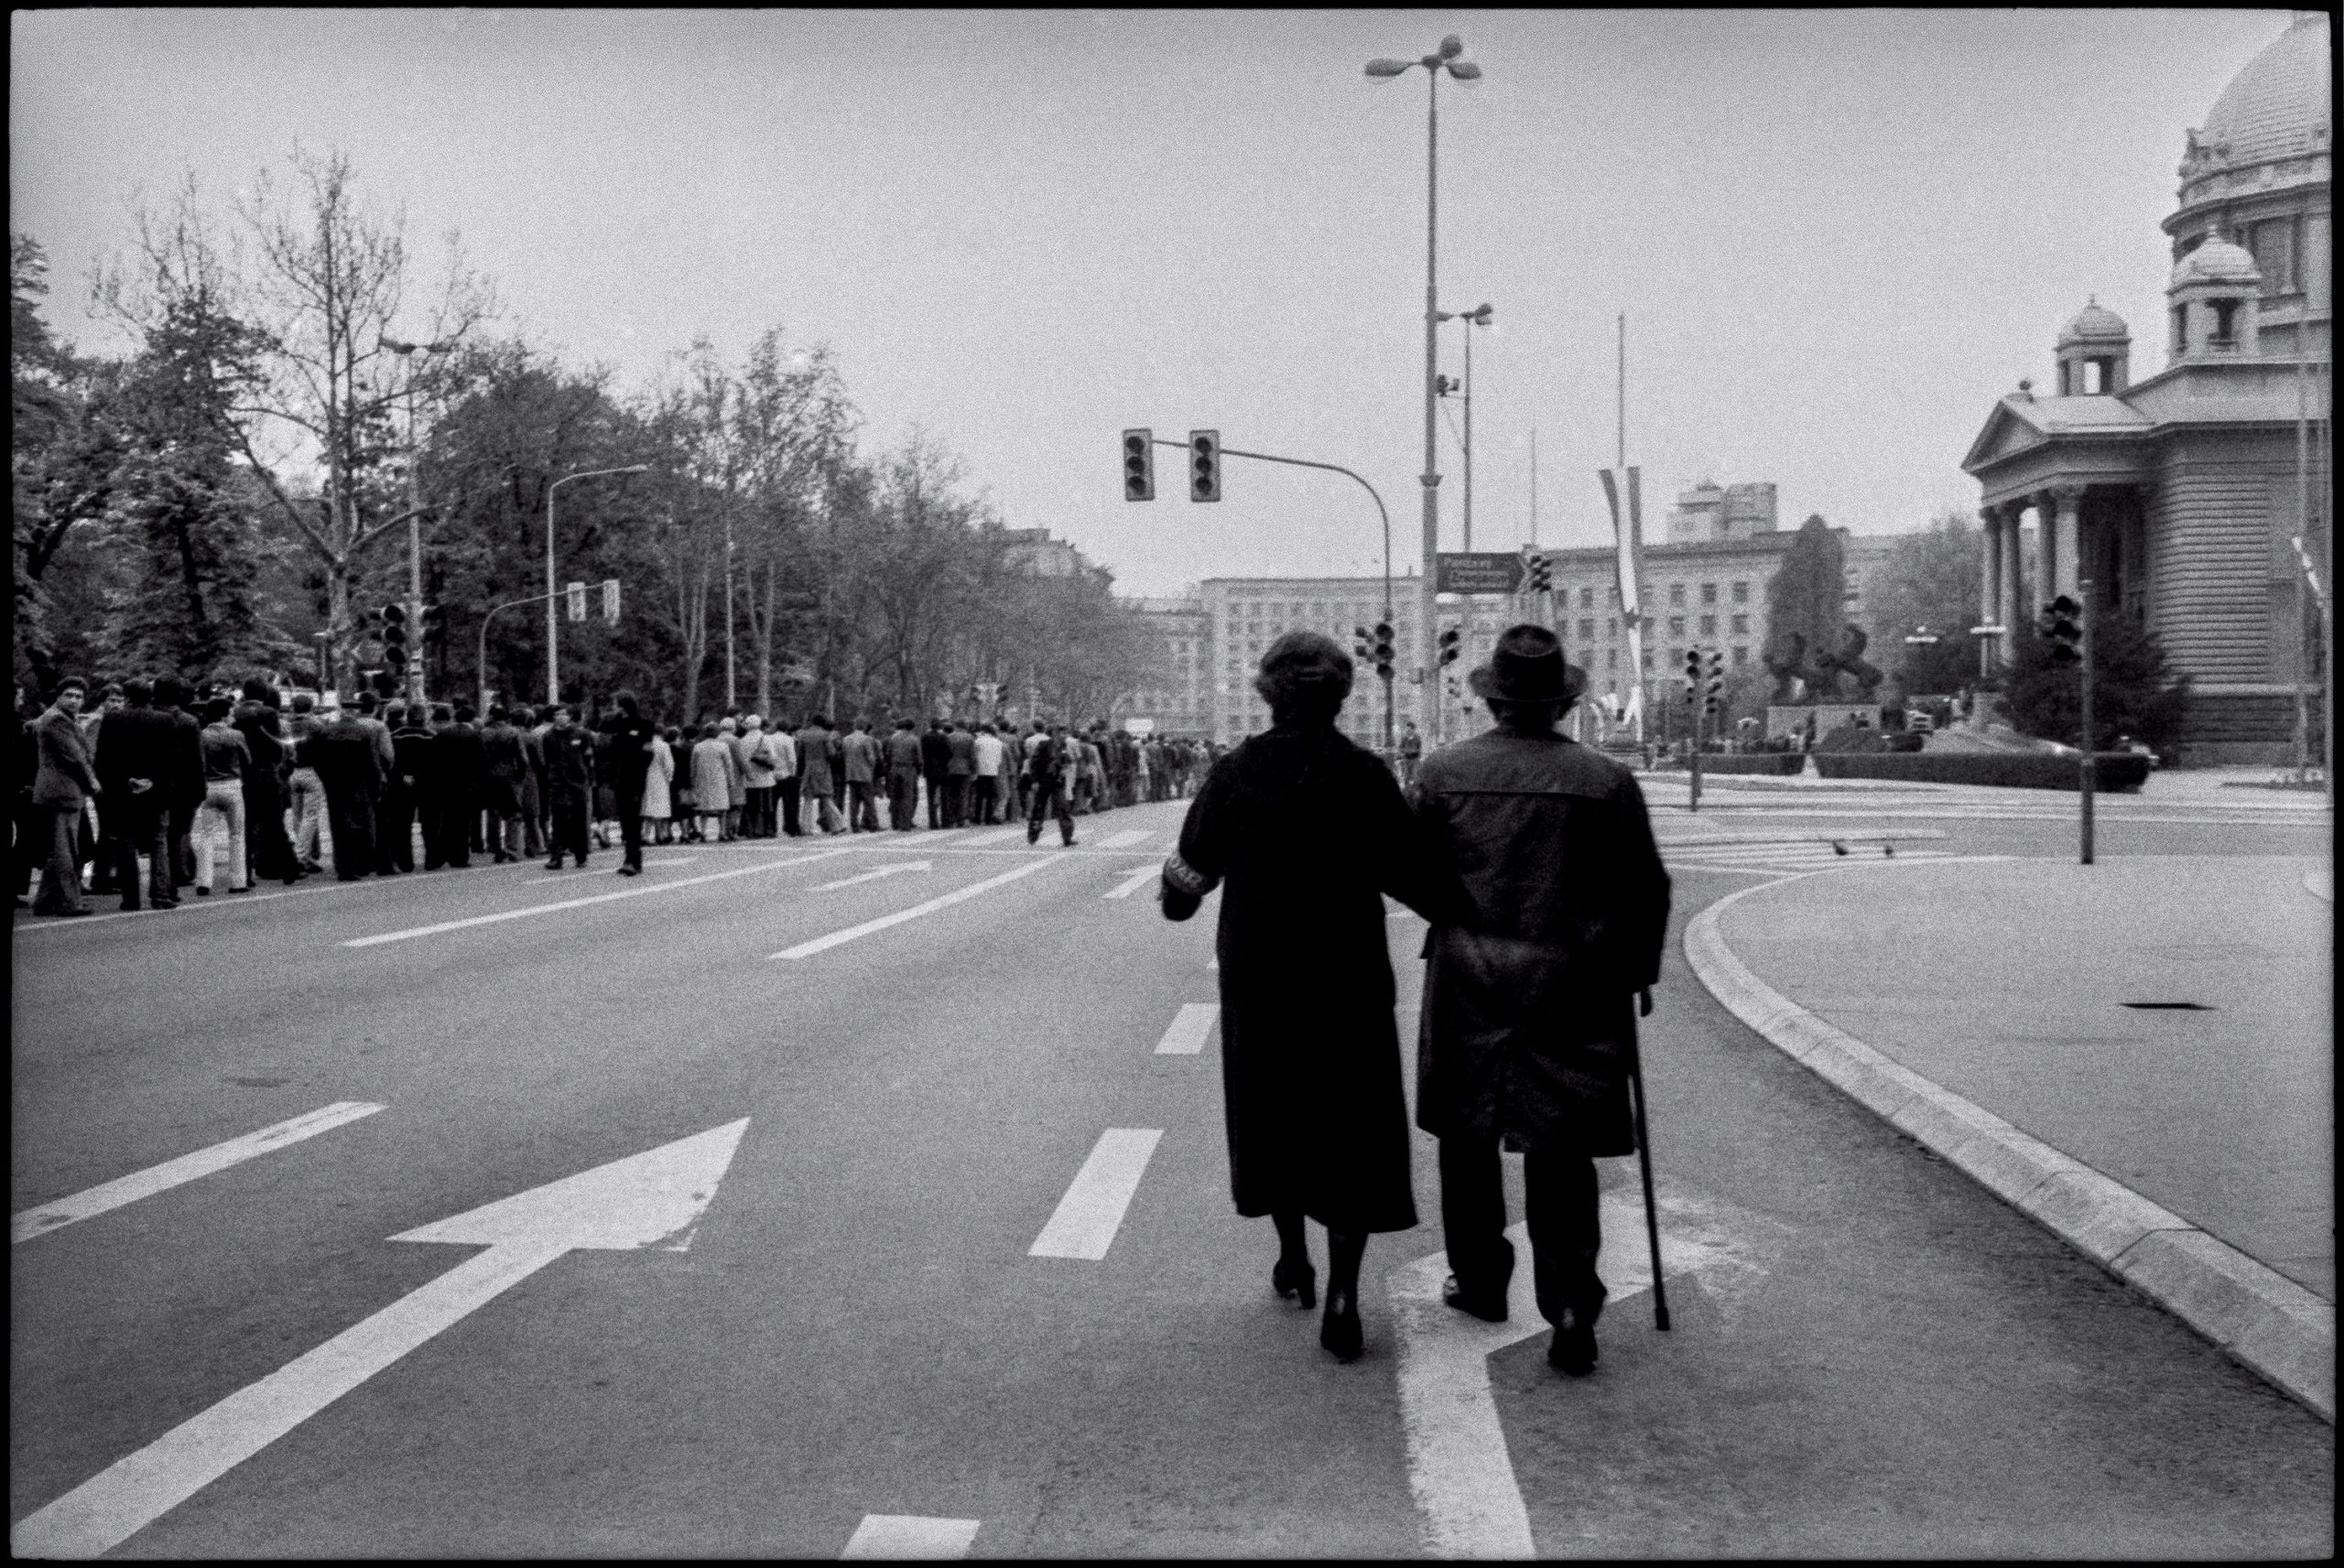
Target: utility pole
[[2086, 774]]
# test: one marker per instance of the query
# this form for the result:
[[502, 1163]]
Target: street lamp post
[[553, 677], [1478, 317], [1443, 59], [414, 510]]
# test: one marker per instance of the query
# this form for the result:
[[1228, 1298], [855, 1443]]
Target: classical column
[[2013, 605], [1989, 582], [2067, 554]]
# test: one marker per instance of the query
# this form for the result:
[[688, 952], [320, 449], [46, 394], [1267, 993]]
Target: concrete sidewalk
[[1982, 1007]]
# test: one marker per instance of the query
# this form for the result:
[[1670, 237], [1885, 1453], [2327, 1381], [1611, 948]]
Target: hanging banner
[[1626, 533]]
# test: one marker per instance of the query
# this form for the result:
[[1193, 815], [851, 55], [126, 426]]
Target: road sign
[[1139, 726], [1478, 571]]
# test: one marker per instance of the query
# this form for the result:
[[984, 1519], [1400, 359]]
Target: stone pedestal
[[1827, 717]]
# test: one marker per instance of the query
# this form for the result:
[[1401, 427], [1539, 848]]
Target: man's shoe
[[67, 914], [1573, 1351], [1487, 1306], [203, 893], [554, 864], [630, 871], [1033, 833]]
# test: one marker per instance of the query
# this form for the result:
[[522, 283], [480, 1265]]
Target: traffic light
[[394, 637], [2061, 623], [1139, 465], [1362, 644], [1204, 465], [1383, 650], [1448, 645], [611, 600], [1692, 673], [577, 601], [1542, 574], [1716, 698]]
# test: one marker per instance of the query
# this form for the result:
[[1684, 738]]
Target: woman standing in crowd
[[657, 806], [712, 767], [1309, 832], [269, 850]]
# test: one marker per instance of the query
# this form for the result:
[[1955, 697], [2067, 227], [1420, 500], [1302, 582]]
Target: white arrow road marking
[[1459, 1466], [1127, 838], [910, 1537], [1087, 1218], [581, 902], [1130, 884], [42, 1218], [627, 1204], [1190, 1028], [824, 943], [873, 876]]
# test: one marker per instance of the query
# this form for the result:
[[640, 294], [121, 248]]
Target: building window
[[1676, 625], [1740, 655], [1610, 658], [1741, 593], [1709, 625], [2225, 318], [1587, 596], [2273, 240], [1648, 659], [1741, 625], [1615, 593], [1709, 593], [1676, 595], [1611, 627]]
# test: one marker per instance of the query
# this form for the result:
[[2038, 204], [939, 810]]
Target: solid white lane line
[[1087, 1218], [1127, 838], [1132, 883], [824, 943], [894, 869], [911, 1537], [121, 1499], [44, 1218], [582, 902], [1189, 1030], [679, 860], [1002, 837]]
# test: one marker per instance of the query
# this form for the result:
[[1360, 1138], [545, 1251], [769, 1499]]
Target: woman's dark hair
[[216, 710], [1304, 677]]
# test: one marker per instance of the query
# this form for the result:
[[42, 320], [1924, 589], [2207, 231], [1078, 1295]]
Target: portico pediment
[[2006, 435]]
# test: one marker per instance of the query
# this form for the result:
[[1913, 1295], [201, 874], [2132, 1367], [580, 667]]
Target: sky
[[1836, 236]]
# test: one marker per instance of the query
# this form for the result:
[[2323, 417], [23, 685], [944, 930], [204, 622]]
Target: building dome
[[2095, 323], [2216, 261], [2278, 106]]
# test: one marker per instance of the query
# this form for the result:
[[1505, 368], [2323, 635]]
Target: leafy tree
[[1806, 599], [1928, 579], [2134, 691]]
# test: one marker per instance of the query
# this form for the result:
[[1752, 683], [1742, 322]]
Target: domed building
[[2178, 495]]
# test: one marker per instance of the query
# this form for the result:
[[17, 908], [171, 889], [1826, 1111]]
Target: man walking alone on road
[[1528, 1028]]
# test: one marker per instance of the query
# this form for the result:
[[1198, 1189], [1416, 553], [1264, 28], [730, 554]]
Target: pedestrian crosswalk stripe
[[910, 1537], [1127, 838], [836, 939], [1132, 883], [562, 903], [1190, 1028], [1002, 837], [42, 1218], [1087, 1218]]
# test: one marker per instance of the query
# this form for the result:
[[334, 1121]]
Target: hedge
[[2119, 772], [1781, 762]]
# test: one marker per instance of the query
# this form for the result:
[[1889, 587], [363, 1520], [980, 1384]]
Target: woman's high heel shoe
[[1339, 1333], [1299, 1280]]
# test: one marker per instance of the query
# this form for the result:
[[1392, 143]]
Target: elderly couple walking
[[1533, 859]]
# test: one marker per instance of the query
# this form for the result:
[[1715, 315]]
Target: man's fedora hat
[[1527, 666]]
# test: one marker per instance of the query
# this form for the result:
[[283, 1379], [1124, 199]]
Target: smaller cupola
[[2095, 352], [2212, 300]]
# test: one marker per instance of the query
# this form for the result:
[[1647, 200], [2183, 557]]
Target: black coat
[[935, 754], [264, 839], [507, 764], [1528, 1025], [459, 765], [1306, 832]]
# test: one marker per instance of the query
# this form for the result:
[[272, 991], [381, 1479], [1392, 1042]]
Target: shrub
[[2132, 691], [2119, 772]]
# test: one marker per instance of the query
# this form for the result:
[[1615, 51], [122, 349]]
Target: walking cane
[[1643, 1158]]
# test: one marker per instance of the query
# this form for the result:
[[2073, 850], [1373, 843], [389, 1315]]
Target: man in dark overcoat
[[1528, 1026], [182, 781], [409, 792], [569, 787], [459, 772], [631, 735], [935, 760], [134, 758], [349, 761], [505, 766], [62, 781]]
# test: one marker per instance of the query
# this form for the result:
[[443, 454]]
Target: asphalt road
[[1870, 1354]]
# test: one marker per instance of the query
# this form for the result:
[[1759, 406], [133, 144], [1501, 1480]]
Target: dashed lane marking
[[910, 1537], [1190, 1028], [558, 904], [1087, 1218], [837, 938], [42, 1218], [1130, 884], [1002, 837]]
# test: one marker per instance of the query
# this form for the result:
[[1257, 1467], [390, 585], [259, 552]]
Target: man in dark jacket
[[935, 760], [903, 774], [1528, 1027], [960, 769], [569, 787], [410, 792], [183, 779], [267, 850], [62, 780], [505, 766], [459, 768], [349, 761], [133, 757], [630, 735]]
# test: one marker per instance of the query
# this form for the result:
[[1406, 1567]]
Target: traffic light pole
[[2086, 774], [1389, 739], [479, 668]]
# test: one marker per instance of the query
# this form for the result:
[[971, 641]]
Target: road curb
[[2258, 1316]]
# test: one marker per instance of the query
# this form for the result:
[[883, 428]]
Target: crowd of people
[[147, 790]]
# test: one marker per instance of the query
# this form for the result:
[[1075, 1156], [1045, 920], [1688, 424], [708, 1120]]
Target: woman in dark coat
[[1309, 832], [270, 852]]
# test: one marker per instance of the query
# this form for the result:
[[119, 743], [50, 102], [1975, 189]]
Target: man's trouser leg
[[901, 786], [790, 825], [935, 802], [1559, 1200], [155, 838], [458, 825], [1472, 1215], [631, 828], [1064, 810], [350, 816], [393, 825], [308, 815], [183, 843], [61, 872]]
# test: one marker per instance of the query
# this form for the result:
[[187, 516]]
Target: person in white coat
[[713, 765], [658, 797]]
